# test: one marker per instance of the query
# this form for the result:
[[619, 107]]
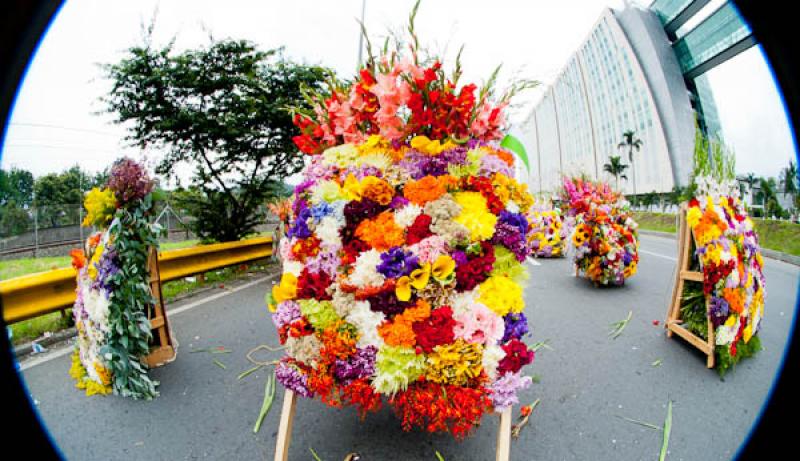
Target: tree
[[59, 196], [789, 178], [616, 168], [630, 141], [17, 186], [222, 109]]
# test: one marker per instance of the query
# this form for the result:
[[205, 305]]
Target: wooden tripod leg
[[285, 427], [504, 436]]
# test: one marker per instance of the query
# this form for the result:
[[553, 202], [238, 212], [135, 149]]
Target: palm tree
[[616, 168], [630, 141], [790, 179]]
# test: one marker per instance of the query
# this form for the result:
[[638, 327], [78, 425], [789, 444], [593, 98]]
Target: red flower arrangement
[[436, 329]]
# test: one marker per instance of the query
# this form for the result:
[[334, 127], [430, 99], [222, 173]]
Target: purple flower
[[516, 326], [459, 257], [286, 313], [419, 165], [292, 378], [719, 311], [504, 390], [398, 202], [359, 365], [106, 268], [361, 172], [396, 263], [300, 228], [515, 219], [493, 164], [326, 261], [129, 181], [510, 237], [321, 210]]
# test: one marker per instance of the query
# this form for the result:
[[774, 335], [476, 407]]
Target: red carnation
[[419, 230], [312, 285], [517, 356], [436, 329]]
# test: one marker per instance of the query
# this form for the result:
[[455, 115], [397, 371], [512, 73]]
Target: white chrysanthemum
[[96, 305], [380, 161], [492, 355], [305, 349], [342, 301], [293, 267], [365, 271], [342, 156], [726, 334], [328, 231], [338, 210], [512, 206], [463, 301], [367, 322], [405, 216]]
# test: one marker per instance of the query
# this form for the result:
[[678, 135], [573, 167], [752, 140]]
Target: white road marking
[[54, 354], [534, 262], [658, 255]]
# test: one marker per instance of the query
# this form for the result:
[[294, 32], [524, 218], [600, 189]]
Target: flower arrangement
[[112, 287], [403, 260], [549, 232], [605, 235], [728, 253]]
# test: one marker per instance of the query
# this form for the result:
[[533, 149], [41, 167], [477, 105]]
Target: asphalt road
[[588, 384]]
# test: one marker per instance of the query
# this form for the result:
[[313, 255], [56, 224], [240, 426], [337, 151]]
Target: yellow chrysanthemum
[[454, 363], [100, 205], [475, 215], [501, 294]]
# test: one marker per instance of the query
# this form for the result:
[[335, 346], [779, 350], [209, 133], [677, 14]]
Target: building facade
[[624, 77]]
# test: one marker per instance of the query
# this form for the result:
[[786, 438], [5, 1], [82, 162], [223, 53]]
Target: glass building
[[637, 70]]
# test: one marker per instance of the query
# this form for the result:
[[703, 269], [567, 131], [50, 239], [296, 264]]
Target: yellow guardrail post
[[38, 294]]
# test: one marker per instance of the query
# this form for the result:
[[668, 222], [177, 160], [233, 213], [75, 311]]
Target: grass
[[18, 267], [29, 330], [780, 236]]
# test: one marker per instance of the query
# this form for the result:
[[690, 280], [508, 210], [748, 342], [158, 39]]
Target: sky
[[58, 118]]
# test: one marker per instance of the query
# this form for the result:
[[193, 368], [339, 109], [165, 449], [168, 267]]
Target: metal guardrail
[[33, 295]]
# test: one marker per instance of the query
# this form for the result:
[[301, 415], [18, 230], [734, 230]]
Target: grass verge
[[780, 236]]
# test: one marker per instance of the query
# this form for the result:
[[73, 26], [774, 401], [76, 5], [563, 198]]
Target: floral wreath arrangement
[[549, 232], [113, 293], [728, 253], [402, 267], [605, 235]]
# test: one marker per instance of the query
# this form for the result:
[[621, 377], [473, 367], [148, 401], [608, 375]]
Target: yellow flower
[[286, 290], [402, 288], [100, 206], [352, 188], [501, 294], [693, 216], [747, 333], [475, 215], [420, 277], [443, 267], [426, 145]]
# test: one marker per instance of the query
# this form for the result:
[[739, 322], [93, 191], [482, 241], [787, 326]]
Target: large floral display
[[605, 235], [113, 293], [549, 231], [402, 267], [728, 253]]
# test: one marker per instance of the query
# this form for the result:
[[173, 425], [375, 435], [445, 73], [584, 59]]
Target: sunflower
[[582, 234]]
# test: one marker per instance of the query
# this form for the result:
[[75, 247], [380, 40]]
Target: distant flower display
[[549, 232], [605, 235]]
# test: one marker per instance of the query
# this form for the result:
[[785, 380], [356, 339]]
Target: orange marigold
[[399, 332], [735, 298], [424, 190], [504, 156], [381, 232], [377, 189]]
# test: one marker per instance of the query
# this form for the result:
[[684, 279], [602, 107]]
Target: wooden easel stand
[[683, 274]]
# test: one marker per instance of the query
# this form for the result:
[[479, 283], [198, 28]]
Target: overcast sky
[[55, 122]]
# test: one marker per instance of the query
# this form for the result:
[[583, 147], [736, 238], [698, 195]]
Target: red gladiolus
[[438, 407]]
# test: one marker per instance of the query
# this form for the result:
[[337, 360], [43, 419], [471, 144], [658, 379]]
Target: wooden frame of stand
[[683, 274], [162, 351], [287, 419]]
